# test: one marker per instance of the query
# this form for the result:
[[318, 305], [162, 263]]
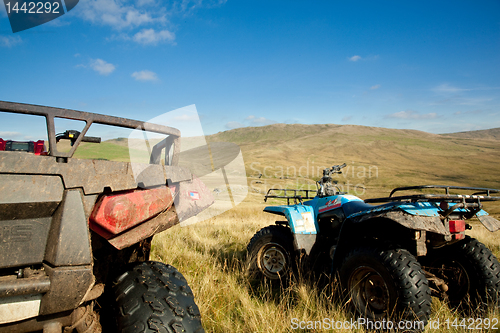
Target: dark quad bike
[[75, 234], [390, 258]]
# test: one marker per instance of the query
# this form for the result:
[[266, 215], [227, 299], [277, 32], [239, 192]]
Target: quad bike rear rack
[[481, 194], [470, 202]]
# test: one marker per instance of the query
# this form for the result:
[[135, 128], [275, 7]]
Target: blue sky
[[419, 65]]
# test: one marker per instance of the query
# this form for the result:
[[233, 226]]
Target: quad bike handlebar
[[73, 136], [326, 186], [337, 168]]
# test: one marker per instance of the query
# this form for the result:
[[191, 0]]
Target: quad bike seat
[[353, 207]]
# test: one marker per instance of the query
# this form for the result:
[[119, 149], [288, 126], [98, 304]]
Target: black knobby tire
[[471, 271], [385, 284], [154, 297], [270, 254]]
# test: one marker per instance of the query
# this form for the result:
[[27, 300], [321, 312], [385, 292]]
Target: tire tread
[[155, 297]]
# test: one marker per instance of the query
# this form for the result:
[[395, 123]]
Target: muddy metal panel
[[77, 279], [91, 175], [426, 223], [26, 205], [69, 235], [30, 189], [191, 197], [491, 223], [22, 242]]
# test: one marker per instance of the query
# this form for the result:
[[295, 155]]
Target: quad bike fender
[[386, 226], [421, 216], [415, 215], [302, 223], [491, 223], [410, 221], [127, 218]]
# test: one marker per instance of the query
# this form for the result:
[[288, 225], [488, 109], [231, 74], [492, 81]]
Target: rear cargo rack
[[296, 197], [480, 194]]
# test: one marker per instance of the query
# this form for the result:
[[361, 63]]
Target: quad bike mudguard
[[302, 221]]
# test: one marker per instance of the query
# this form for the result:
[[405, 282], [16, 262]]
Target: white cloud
[[151, 37], [459, 100], [446, 88], [410, 114], [9, 134], [468, 112], [187, 117], [102, 67], [377, 86], [234, 124], [145, 76], [129, 16], [355, 58], [258, 121], [145, 2], [119, 15], [346, 118], [9, 41]]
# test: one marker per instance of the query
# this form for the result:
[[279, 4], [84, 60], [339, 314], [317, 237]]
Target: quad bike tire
[[271, 254], [155, 297], [472, 273], [385, 284]]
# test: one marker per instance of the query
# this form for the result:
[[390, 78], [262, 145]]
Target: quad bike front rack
[[296, 197]]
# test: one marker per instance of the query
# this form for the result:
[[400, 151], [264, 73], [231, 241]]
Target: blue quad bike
[[389, 258]]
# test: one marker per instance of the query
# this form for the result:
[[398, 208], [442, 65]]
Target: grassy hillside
[[394, 157]]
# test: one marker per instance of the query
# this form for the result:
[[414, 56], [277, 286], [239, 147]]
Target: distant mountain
[[400, 157], [489, 134]]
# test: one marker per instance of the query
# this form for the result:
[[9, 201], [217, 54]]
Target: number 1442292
[[45, 7]]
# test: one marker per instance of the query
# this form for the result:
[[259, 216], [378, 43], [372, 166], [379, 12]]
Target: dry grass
[[211, 255]]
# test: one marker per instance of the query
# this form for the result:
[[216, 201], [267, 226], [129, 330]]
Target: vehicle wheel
[[471, 272], [154, 297], [270, 254], [385, 284]]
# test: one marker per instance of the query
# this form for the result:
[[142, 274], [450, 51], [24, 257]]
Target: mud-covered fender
[[491, 223], [392, 221], [302, 223], [416, 215]]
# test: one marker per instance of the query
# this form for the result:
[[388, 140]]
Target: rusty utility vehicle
[[389, 258], [75, 234]]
